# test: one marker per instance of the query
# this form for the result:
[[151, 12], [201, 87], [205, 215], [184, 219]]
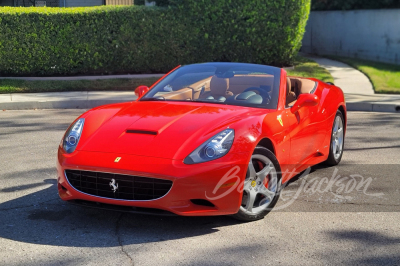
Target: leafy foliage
[[353, 4], [138, 39], [265, 32], [307, 68]]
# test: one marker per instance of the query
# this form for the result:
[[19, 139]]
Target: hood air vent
[[135, 131]]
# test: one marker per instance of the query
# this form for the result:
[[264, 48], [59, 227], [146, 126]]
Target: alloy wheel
[[260, 185], [337, 138]]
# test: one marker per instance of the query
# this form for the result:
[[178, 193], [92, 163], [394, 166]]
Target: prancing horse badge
[[113, 185]]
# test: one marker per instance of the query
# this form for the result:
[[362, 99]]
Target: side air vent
[[146, 132]]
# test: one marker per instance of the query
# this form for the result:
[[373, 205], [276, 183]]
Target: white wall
[[368, 34]]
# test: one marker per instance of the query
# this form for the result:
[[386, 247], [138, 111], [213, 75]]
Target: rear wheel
[[337, 140], [261, 186]]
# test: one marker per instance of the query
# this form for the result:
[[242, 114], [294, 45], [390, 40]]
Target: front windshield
[[223, 83]]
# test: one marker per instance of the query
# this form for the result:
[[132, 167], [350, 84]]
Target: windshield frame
[[222, 70]]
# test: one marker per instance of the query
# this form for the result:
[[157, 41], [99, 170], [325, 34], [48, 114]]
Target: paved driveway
[[320, 219]]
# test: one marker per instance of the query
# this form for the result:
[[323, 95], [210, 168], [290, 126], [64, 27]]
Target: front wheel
[[261, 186]]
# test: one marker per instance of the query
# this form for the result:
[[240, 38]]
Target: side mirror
[[303, 101], [140, 91]]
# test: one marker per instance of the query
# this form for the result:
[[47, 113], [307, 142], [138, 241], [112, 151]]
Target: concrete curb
[[373, 107], [373, 103], [88, 100]]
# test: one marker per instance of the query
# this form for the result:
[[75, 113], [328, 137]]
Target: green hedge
[[353, 4], [110, 39], [258, 31]]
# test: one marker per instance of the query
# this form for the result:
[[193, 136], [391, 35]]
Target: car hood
[[156, 129]]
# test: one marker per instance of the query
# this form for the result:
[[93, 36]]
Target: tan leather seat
[[239, 83], [218, 88], [302, 86], [290, 95], [182, 94]]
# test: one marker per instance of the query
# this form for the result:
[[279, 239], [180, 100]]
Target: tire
[[261, 187], [337, 140]]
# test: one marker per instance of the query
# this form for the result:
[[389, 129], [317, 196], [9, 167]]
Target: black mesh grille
[[129, 187]]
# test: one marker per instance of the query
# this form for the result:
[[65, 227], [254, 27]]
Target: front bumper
[[218, 182]]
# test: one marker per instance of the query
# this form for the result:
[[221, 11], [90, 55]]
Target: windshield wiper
[[152, 99], [211, 101]]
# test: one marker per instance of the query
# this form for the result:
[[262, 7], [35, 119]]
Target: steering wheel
[[262, 92]]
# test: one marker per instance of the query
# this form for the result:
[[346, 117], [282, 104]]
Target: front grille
[[129, 187]]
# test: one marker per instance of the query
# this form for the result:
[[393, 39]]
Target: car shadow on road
[[368, 247], [43, 218]]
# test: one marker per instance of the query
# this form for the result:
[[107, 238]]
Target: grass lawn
[[15, 85], [384, 77], [304, 67]]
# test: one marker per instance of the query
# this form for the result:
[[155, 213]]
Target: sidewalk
[[356, 86], [350, 80], [359, 92]]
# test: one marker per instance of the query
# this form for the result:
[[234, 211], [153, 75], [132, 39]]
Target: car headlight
[[212, 149], [73, 135]]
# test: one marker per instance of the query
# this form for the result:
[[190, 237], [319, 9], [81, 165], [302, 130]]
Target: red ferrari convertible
[[206, 139]]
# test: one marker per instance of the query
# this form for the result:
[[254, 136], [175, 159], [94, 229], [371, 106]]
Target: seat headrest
[[219, 86], [288, 86]]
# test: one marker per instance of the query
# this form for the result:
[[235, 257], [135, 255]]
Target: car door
[[306, 133]]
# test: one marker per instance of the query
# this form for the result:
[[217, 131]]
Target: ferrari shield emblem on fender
[[279, 117], [117, 159]]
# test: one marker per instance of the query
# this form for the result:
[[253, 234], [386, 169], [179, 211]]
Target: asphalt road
[[345, 215]]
